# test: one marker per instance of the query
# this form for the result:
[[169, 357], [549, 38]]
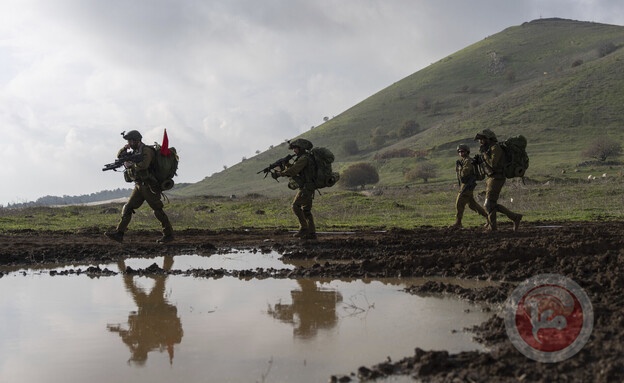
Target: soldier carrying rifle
[[146, 187], [302, 175], [467, 175]]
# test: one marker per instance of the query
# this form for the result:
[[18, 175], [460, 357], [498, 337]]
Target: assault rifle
[[281, 163], [129, 157]]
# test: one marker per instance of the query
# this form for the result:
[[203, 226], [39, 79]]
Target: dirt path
[[590, 253]]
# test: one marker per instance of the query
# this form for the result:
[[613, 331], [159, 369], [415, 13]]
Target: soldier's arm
[[497, 158], [296, 168], [148, 156]]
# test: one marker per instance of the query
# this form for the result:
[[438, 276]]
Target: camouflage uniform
[[146, 189], [467, 178], [301, 173], [493, 157]]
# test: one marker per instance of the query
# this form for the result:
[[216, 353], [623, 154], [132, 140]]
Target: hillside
[[559, 82]]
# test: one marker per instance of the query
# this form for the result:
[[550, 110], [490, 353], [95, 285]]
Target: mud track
[[590, 253]]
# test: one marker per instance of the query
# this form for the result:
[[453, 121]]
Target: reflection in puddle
[[235, 260], [163, 328]]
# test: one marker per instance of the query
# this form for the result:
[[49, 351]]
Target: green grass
[[420, 205]]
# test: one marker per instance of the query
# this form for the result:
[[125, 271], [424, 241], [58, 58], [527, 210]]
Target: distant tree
[[606, 49], [424, 171], [378, 141], [257, 151], [424, 103], [409, 128], [510, 75], [325, 118], [576, 63], [350, 147], [359, 174], [602, 148], [224, 167], [378, 137]]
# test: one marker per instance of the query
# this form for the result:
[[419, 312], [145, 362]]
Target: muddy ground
[[590, 253]]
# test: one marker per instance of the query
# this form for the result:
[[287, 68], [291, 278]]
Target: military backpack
[[324, 176], [165, 166], [516, 157]]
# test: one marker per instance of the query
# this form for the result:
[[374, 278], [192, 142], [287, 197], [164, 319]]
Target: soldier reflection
[[312, 309], [155, 325]]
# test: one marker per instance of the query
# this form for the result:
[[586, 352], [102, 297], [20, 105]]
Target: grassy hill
[[558, 82]]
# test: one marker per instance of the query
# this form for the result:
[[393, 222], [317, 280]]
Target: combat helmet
[[463, 147], [301, 143], [132, 135], [486, 133]]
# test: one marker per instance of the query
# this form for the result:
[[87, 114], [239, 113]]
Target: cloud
[[225, 78]]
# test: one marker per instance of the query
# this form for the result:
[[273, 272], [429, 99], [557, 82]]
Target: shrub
[[606, 49], [350, 147], [602, 148], [359, 174], [408, 129], [378, 141], [395, 153], [424, 171]]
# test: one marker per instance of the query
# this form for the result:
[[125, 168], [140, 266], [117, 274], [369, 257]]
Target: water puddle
[[163, 328]]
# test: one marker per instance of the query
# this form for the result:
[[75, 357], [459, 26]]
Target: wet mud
[[590, 253]]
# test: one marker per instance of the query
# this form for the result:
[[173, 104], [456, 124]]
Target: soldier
[[302, 178], [146, 189], [493, 157], [467, 176]]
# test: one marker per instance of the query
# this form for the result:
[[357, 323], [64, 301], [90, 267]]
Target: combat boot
[[309, 236], [166, 238], [300, 233], [456, 225], [115, 235]]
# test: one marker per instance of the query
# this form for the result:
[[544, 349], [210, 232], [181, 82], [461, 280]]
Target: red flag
[[164, 148]]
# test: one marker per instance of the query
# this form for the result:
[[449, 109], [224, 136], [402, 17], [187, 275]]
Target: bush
[[359, 174], [606, 49], [424, 171], [408, 129], [602, 148], [350, 147], [378, 141], [395, 153]]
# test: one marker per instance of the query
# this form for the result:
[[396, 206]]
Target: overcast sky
[[226, 78]]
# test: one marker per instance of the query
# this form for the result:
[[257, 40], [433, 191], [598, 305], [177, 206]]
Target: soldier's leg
[[514, 217], [474, 206], [152, 196], [492, 192], [306, 207], [134, 202], [297, 208], [460, 207]]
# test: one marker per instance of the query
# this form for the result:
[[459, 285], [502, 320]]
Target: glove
[[275, 175], [128, 164]]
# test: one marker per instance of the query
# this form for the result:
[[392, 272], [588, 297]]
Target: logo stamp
[[549, 318]]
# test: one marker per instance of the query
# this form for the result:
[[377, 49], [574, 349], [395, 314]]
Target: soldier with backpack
[[467, 176], [494, 163], [146, 188], [302, 174]]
